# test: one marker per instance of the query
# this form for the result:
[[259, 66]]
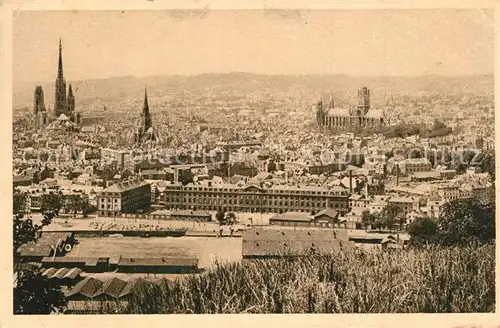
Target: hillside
[[92, 93]]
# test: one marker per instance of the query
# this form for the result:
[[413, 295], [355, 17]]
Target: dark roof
[[135, 285], [158, 262], [87, 287], [112, 287], [88, 261]]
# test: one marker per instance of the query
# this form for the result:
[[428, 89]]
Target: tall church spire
[[145, 109], [146, 116], [60, 66], [61, 105]]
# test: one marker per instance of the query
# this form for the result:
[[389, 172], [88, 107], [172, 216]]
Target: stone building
[[333, 118], [255, 198]]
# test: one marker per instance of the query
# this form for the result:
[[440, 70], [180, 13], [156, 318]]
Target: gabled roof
[[112, 287], [87, 287], [133, 286], [328, 212]]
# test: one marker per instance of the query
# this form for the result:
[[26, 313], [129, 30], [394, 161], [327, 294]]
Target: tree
[[51, 202], [126, 174], [74, 203], [389, 214], [367, 219], [422, 231], [185, 177], [220, 217], [466, 220], [33, 293]]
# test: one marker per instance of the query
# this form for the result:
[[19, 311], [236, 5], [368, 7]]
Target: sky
[[102, 44]]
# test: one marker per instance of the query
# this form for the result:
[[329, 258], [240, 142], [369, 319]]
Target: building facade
[[255, 198], [329, 117], [412, 165], [124, 197]]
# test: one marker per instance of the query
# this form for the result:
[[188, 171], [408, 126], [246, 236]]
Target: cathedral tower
[[71, 104], [61, 105], [39, 101], [363, 101]]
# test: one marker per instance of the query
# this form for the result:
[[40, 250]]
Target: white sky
[[100, 44]]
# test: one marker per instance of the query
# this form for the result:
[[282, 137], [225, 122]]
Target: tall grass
[[458, 279]]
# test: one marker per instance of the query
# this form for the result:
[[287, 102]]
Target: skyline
[[216, 41]]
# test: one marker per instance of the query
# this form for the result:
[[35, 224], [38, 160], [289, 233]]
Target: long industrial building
[[255, 198]]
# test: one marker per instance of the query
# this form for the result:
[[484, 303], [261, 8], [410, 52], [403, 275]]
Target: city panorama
[[200, 162]]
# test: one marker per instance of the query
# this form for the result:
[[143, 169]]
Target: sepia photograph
[[253, 161]]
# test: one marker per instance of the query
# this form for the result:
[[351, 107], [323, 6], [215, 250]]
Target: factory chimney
[[350, 181], [397, 175]]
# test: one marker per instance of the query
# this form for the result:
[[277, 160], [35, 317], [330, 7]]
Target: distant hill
[[131, 89]]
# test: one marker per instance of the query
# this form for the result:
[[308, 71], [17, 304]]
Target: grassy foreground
[[458, 279]]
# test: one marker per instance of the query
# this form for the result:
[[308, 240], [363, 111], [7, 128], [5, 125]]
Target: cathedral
[[64, 105], [145, 132], [332, 118]]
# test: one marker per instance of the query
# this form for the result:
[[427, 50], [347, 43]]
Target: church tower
[[39, 101], [145, 115], [363, 101], [61, 104], [39, 108], [71, 104]]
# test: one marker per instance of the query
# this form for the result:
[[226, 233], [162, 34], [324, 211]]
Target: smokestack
[[350, 181], [397, 175]]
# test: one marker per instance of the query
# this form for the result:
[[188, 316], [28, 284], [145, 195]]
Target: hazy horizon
[[388, 43], [264, 74]]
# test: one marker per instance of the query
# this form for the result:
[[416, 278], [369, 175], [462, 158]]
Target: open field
[[206, 249]]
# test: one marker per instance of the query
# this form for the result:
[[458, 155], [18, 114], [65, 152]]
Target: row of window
[[267, 191]]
